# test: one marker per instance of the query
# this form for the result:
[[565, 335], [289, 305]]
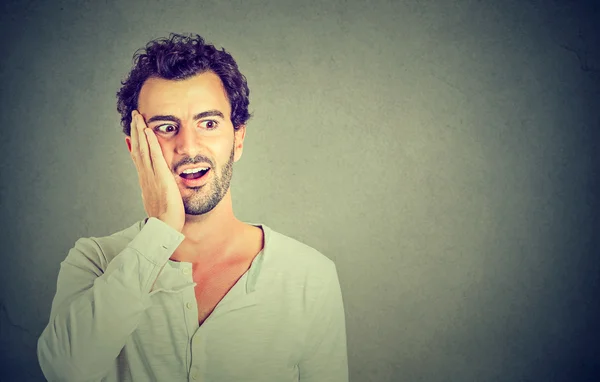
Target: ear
[[238, 142], [128, 142]]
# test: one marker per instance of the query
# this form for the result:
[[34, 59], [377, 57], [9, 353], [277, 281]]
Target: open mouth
[[194, 173]]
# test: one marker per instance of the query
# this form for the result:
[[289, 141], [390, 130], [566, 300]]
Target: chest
[[213, 285]]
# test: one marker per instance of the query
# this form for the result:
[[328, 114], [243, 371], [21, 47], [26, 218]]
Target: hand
[[160, 193]]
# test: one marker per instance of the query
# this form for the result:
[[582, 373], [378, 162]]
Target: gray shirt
[[123, 311]]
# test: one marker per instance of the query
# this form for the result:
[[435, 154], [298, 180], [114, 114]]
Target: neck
[[213, 234]]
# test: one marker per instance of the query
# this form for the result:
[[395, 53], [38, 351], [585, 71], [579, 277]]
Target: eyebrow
[[172, 118]]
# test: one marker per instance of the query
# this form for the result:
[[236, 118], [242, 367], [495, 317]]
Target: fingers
[[134, 140], [143, 149], [156, 156], [146, 151]]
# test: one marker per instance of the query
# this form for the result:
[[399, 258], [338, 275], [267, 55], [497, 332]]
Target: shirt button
[[188, 305], [186, 271]]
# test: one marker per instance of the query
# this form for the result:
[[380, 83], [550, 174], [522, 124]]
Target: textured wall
[[441, 153]]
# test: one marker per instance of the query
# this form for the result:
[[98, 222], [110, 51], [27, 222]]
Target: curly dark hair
[[179, 57]]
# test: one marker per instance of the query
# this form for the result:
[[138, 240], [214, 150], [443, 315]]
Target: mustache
[[197, 159]]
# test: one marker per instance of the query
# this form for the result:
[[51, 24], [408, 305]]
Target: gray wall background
[[442, 153]]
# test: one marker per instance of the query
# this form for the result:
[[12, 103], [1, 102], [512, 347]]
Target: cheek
[[226, 152], [218, 149]]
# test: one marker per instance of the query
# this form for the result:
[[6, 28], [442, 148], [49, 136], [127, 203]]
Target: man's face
[[191, 119]]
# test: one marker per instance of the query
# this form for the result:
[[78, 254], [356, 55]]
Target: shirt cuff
[[156, 241]]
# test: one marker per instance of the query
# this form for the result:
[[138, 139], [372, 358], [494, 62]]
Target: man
[[192, 293]]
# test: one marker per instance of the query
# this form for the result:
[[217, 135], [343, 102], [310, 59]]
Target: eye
[[166, 128], [210, 124]]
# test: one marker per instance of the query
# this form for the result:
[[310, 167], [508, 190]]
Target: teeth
[[193, 170]]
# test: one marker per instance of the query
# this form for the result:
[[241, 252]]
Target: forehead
[[201, 92]]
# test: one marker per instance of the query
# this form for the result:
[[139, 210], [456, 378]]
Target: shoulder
[[295, 260]]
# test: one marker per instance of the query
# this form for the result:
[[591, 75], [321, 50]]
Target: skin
[[213, 235]]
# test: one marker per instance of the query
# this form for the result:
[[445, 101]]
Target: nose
[[187, 141]]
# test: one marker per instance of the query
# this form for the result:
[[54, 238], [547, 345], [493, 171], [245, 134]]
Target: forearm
[[93, 316], [84, 337]]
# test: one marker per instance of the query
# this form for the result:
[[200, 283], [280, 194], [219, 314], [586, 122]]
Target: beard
[[201, 202]]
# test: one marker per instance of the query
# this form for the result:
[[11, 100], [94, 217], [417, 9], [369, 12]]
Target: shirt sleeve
[[325, 357], [95, 311]]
